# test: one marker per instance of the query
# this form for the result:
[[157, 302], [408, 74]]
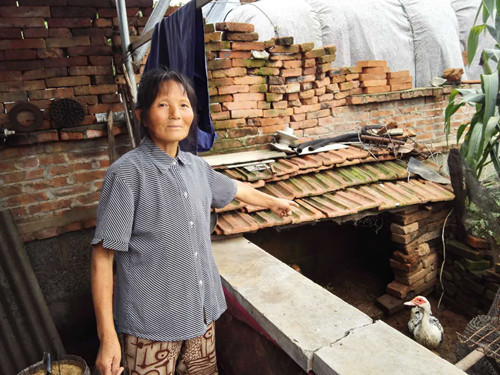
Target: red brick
[[235, 27], [233, 89], [401, 86], [226, 124], [94, 90], [403, 73], [67, 42], [24, 11], [65, 61], [371, 63], [376, 70], [247, 46], [59, 33], [12, 33], [90, 70], [69, 22], [21, 44], [235, 54], [229, 106], [44, 73], [317, 52], [49, 206], [22, 22], [90, 51], [232, 72], [102, 108], [219, 64], [73, 12], [291, 72], [244, 113], [68, 81], [36, 32], [100, 60], [95, 31], [397, 289], [240, 37], [376, 89], [21, 85], [19, 54]]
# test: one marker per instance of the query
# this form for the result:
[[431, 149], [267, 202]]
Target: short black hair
[[150, 85]]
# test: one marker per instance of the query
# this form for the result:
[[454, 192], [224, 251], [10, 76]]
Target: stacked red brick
[[417, 235], [376, 77], [62, 49]]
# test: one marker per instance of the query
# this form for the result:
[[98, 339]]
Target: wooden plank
[[242, 157]]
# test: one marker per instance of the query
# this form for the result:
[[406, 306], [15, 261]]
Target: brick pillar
[[416, 233]]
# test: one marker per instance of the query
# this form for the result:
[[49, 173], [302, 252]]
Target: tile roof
[[327, 185]]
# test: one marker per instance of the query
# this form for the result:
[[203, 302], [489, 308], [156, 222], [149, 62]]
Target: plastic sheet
[[423, 36]]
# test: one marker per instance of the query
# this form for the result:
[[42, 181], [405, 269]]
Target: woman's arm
[[247, 194], [101, 277]]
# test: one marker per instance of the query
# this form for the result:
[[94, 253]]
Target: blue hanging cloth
[[178, 42]]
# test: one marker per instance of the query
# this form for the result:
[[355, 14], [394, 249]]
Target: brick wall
[[50, 179]]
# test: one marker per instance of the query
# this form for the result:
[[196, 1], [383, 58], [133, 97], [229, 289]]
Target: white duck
[[425, 327]]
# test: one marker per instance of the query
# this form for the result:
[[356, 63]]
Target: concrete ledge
[[300, 315], [379, 349], [318, 330]]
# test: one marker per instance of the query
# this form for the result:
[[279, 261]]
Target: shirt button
[[191, 223], [195, 254], [185, 194], [201, 282], [174, 163]]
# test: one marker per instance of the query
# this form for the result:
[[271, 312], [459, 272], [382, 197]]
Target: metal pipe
[[121, 9], [155, 17], [146, 37]]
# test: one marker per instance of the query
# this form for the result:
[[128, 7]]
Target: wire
[[444, 260]]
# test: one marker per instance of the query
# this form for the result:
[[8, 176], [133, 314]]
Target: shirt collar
[[160, 158]]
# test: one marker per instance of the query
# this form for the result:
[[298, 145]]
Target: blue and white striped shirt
[[154, 210]]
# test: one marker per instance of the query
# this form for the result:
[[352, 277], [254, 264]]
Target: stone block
[[390, 304]]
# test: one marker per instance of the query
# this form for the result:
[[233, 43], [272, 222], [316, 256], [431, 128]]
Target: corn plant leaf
[[493, 31], [489, 6], [472, 42], [474, 146], [491, 128], [473, 99], [493, 54], [495, 158], [489, 83], [460, 131]]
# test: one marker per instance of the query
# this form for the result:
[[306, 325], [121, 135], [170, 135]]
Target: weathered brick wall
[[63, 48], [50, 179]]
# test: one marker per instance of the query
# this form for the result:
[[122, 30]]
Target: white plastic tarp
[[423, 36]]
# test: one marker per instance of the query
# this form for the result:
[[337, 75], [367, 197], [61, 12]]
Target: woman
[[153, 217]]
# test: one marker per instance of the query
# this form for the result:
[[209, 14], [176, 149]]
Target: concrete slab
[[300, 315], [378, 349]]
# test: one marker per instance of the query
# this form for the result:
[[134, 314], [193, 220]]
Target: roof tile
[[328, 206], [279, 190], [268, 218], [305, 212], [236, 222]]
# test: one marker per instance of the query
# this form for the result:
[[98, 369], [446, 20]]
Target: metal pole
[[121, 8], [155, 17]]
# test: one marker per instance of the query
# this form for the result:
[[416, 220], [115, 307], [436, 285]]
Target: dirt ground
[[365, 287]]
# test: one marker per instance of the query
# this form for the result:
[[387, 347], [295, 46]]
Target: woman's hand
[[282, 207], [247, 194], [109, 356]]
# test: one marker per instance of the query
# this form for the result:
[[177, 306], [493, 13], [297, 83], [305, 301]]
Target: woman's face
[[171, 115]]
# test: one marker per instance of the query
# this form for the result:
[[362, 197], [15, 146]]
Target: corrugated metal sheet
[[26, 326]]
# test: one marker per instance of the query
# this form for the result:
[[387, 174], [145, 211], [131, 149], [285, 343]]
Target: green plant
[[481, 134]]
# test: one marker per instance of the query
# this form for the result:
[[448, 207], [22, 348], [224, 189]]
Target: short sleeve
[[115, 214], [223, 188]]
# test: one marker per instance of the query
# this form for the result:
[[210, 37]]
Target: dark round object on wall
[[25, 117], [66, 113]]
